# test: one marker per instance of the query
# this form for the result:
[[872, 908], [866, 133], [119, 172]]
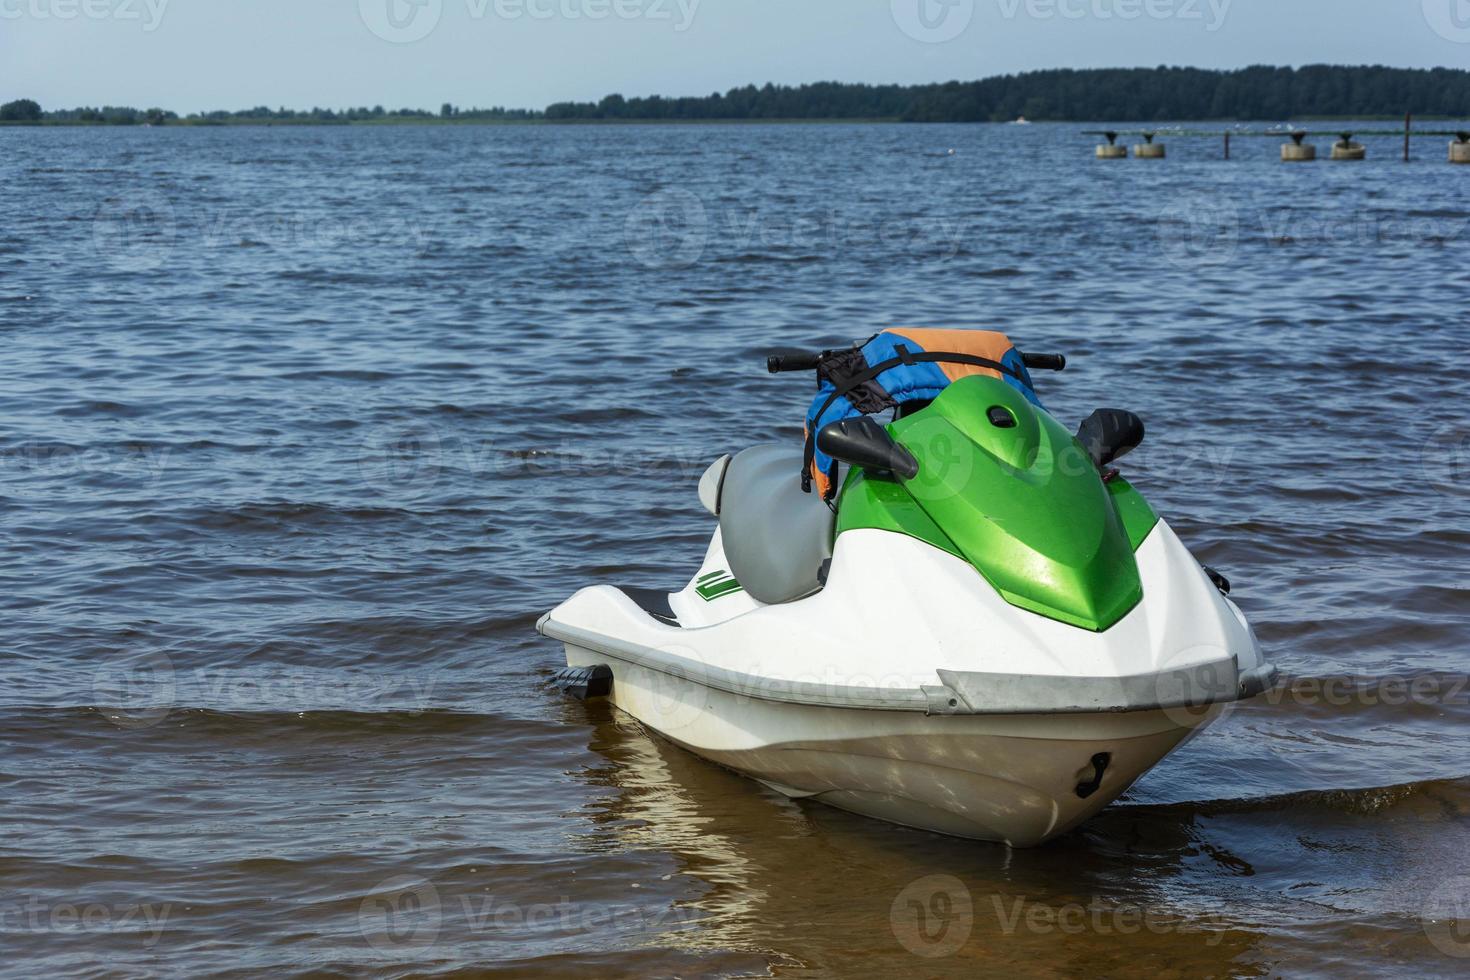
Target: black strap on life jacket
[[843, 386]]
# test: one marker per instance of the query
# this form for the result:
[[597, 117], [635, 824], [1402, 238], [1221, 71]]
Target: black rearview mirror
[[1108, 433], [863, 442]]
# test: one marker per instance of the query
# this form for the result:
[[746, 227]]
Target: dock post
[[1227, 144], [1408, 124], [1460, 148], [1148, 149], [1111, 150], [1296, 151], [1348, 150]]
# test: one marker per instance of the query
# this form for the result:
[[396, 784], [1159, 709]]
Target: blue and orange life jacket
[[898, 366]]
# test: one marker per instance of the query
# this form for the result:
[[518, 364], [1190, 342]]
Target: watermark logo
[[932, 21], [400, 21], [677, 695], [1198, 232], [403, 912], [135, 232], [135, 689], [933, 916], [667, 230], [1446, 917], [403, 461], [947, 460], [1197, 685], [1445, 460], [1450, 19]]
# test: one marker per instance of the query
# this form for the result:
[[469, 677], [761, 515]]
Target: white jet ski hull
[[921, 697], [1009, 778]]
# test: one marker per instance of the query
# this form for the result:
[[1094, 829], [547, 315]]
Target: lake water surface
[[301, 429]]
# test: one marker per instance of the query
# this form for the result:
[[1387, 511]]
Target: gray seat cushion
[[776, 537]]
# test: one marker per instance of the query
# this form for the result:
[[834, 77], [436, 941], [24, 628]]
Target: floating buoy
[[1346, 149], [1460, 148], [1296, 151], [1148, 149], [1111, 150]]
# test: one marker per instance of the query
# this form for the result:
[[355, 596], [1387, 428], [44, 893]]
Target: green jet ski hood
[[1004, 486]]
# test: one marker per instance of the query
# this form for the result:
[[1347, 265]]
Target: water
[[303, 428]]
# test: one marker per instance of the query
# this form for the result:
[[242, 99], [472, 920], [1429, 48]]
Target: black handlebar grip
[[1044, 362], [793, 361]]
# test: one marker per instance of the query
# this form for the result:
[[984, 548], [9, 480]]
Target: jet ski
[[943, 610]]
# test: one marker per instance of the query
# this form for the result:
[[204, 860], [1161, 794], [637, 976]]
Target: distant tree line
[[28, 111], [108, 115], [1077, 95], [21, 110]]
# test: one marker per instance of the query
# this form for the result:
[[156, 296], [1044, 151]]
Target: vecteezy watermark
[[406, 21], [932, 917], [1450, 19], [403, 912], [410, 459], [135, 688], [400, 21], [148, 12], [35, 915], [134, 232], [33, 465], [932, 21], [1211, 13], [667, 230], [1445, 460], [948, 466], [1285, 227], [289, 230], [142, 689], [1196, 685], [143, 231], [673, 229], [1198, 231], [1100, 917], [1446, 917], [407, 912], [670, 699], [1202, 231], [1393, 691], [401, 461]]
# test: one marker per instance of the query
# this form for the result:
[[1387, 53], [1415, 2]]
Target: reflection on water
[[780, 878], [1188, 889]]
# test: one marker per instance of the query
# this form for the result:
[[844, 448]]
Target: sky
[[194, 55]]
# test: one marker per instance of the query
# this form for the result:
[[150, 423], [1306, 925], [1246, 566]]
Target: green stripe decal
[[715, 584]]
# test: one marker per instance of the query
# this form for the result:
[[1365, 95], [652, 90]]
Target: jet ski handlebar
[[798, 360], [1045, 362], [793, 360]]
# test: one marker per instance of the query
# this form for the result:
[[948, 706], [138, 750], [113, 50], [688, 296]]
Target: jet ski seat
[[776, 536]]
